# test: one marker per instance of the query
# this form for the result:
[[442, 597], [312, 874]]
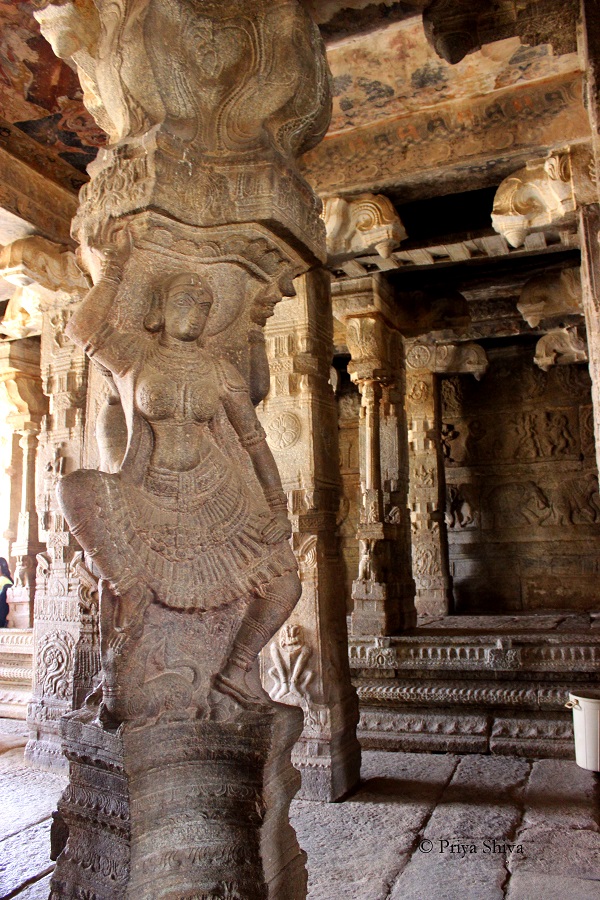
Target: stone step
[[16, 671]]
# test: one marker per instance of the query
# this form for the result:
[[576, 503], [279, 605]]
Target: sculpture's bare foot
[[231, 696]]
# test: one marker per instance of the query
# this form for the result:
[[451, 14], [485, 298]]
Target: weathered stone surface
[[522, 507], [28, 796], [550, 887], [561, 795], [17, 867], [564, 852], [347, 851], [469, 803], [448, 875], [39, 890]]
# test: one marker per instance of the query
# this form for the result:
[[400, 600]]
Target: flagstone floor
[[420, 826]]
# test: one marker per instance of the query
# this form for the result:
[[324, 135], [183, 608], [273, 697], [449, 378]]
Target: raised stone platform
[[16, 671], [476, 684]]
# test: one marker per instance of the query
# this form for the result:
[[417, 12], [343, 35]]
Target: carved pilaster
[[23, 406], [51, 281], [427, 493], [383, 590], [307, 662], [192, 227]]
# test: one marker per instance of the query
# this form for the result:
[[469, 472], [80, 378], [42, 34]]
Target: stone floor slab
[[356, 848], [39, 890], [572, 853], [529, 886], [561, 795], [482, 799], [28, 796], [443, 875], [24, 857]]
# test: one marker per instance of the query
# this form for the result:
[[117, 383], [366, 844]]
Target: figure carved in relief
[[290, 656], [177, 525]]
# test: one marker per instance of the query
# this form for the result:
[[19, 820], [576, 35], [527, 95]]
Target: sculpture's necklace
[[166, 356]]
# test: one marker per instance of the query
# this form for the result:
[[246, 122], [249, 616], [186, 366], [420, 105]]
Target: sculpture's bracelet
[[277, 500], [253, 439]]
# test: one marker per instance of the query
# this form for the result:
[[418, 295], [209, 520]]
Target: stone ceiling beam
[[452, 147], [47, 207]]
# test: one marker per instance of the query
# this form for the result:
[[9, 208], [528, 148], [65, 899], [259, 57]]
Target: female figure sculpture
[[178, 526]]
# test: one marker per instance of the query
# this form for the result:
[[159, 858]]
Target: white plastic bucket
[[586, 725]]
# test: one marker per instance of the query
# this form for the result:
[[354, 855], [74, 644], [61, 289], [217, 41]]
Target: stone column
[[383, 591], [51, 275], [589, 213], [427, 494], [193, 226], [306, 665], [23, 407]]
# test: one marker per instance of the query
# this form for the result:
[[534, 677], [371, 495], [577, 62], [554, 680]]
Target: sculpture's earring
[[153, 320]]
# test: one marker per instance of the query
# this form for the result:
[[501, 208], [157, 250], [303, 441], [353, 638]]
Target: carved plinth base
[[433, 602], [19, 615], [328, 753], [379, 609], [193, 810]]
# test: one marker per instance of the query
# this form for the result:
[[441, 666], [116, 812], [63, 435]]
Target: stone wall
[[523, 509]]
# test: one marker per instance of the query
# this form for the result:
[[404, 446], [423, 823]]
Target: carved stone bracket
[[549, 295], [560, 347], [366, 224], [39, 269], [546, 192], [445, 359], [456, 28]]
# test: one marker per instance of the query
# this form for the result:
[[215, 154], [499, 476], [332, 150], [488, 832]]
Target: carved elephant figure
[[576, 501], [514, 505]]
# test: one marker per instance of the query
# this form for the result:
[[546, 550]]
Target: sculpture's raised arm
[[89, 325]]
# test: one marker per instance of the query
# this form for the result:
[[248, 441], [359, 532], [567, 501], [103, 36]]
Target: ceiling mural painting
[[40, 95], [394, 72]]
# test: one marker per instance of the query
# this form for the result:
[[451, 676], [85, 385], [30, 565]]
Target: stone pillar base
[[328, 752], [434, 602], [174, 812], [380, 610], [19, 613]]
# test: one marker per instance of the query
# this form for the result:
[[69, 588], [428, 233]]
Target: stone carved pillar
[[383, 591], [427, 494], [589, 230], [23, 405], [307, 663], [589, 211], [48, 273], [193, 225]]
